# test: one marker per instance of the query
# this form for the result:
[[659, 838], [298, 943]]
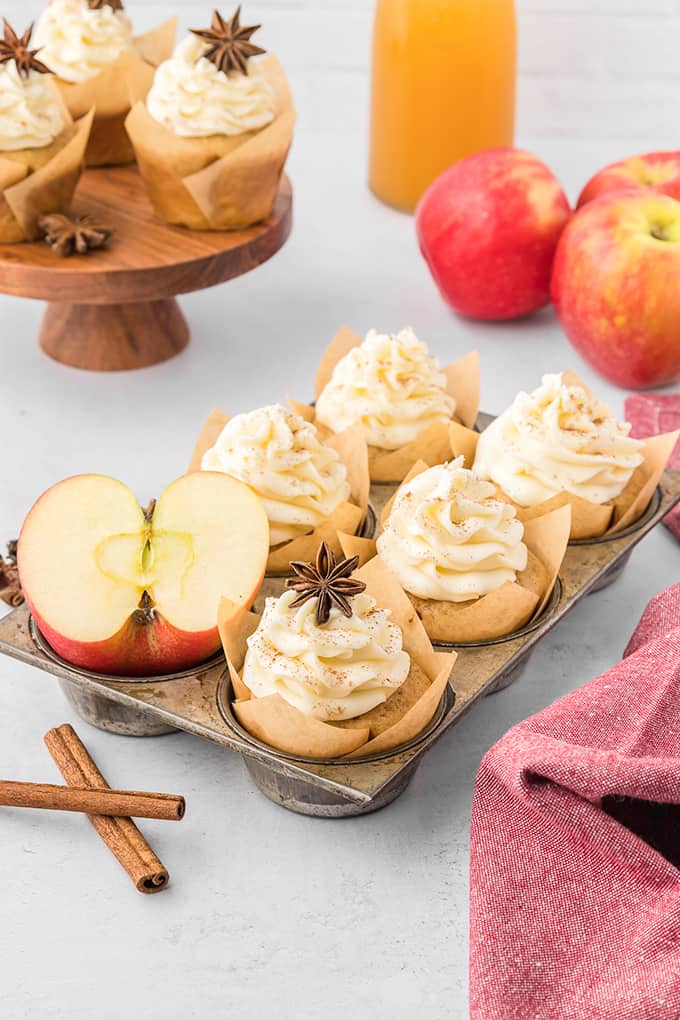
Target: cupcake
[[41, 149], [392, 387], [90, 47], [212, 136], [471, 569], [558, 445], [334, 666], [310, 489]]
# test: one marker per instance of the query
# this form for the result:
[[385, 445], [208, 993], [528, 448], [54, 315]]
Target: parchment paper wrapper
[[591, 520], [347, 517], [433, 445], [218, 182], [114, 91], [513, 604], [38, 181], [401, 718]]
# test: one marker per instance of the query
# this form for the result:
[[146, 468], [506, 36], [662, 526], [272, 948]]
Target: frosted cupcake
[[304, 483], [391, 385], [333, 669], [560, 444], [90, 47], [404, 400], [37, 133], [334, 666], [463, 557], [213, 135], [299, 480]]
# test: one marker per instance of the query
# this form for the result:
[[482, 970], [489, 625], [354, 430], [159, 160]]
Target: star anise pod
[[230, 45], [14, 48], [326, 581], [97, 5], [76, 236], [10, 587]]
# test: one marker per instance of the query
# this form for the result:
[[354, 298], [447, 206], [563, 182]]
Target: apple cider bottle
[[443, 87]]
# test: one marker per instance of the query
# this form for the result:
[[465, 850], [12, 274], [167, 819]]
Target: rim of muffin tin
[[225, 693], [548, 611], [43, 645], [652, 508]]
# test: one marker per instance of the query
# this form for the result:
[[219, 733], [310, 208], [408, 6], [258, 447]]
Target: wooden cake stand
[[115, 308]]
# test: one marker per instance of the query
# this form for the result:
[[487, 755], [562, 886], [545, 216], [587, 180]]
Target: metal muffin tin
[[198, 701]]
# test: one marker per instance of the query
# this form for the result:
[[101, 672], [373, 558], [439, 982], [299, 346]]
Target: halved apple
[[119, 590]]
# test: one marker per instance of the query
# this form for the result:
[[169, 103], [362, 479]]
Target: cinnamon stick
[[91, 801], [121, 835]]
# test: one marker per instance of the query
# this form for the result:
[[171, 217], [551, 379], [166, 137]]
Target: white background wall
[[583, 63]]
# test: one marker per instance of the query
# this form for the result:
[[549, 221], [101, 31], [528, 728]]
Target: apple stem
[[145, 612], [148, 513]]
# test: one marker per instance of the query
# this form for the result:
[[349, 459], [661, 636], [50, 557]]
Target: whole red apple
[[119, 590], [615, 287], [488, 228], [658, 171]]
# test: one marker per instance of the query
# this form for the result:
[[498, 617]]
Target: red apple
[[615, 287], [118, 590], [488, 228], [658, 171]]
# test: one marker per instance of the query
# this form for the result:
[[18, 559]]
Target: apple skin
[[615, 287], [488, 228], [655, 171], [138, 649], [141, 647]]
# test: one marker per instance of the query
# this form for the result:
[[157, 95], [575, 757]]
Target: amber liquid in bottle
[[443, 87]]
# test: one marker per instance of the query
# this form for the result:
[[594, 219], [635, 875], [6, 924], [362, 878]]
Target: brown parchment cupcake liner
[[218, 182], [590, 520], [508, 608], [401, 718], [348, 516], [113, 92], [38, 181], [433, 445]]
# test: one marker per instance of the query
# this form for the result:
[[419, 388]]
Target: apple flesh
[[615, 287], [655, 171], [127, 592], [488, 228]]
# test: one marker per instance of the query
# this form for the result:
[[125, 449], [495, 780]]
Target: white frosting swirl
[[391, 385], [333, 671], [449, 538], [278, 454], [78, 43], [192, 98], [558, 439], [31, 113]]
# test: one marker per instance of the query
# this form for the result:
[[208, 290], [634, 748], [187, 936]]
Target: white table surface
[[269, 914]]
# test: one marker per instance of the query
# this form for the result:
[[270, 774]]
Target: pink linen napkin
[[650, 415], [575, 847]]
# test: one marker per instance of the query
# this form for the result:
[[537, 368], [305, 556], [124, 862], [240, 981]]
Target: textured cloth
[[573, 915], [651, 415]]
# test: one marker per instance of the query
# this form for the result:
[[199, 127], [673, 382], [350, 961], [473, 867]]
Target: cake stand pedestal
[[116, 307]]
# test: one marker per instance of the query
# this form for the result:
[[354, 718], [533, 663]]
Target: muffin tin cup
[[99, 710], [306, 798], [617, 568]]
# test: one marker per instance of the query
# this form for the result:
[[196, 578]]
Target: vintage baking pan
[[198, 701]]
